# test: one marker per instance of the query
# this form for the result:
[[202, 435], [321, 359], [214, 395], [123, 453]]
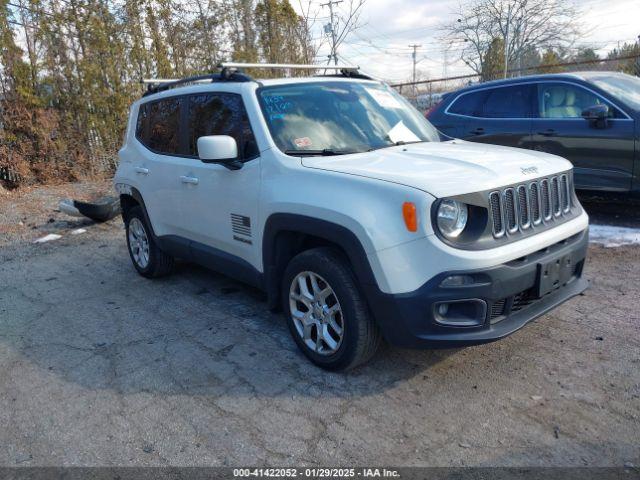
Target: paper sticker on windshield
[[384, 98], [302, 142], [401, 133]]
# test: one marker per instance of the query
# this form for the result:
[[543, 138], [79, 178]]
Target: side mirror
[[597, 115], [221, 149]]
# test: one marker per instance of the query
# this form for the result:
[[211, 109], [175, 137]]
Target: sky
[[380, 46]]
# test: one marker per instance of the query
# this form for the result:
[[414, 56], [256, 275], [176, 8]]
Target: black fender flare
[[137, 196], [272, 250]]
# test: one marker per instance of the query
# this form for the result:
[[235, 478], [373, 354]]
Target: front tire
[[326, 314], [146, 256]]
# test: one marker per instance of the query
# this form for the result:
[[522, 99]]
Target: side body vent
[[241, 225]]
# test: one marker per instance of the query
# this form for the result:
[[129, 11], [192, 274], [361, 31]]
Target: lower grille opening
[[522, 300], [497, 309]]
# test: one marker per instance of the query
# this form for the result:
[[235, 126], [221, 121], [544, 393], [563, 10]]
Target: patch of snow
[[612, 237], [48, 238], [78, 231]]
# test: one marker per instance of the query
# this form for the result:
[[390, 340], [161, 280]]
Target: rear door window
[[220, 114], [508, 102], [163, 130]]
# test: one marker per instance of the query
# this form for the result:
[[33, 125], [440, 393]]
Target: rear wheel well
[[288, 244], [127, 202]]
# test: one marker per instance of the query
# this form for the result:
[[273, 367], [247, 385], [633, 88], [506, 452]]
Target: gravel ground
[[99, 366]]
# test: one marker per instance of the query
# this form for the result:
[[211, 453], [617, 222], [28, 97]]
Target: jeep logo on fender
[[529, 170]]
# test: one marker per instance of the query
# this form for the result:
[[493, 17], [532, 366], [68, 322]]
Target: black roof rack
[[231, 72], [349, 74], [225, 75]]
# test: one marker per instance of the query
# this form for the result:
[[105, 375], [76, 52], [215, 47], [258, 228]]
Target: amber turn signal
[[410, 216]]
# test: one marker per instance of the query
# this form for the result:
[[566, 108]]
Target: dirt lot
[[99, 366]]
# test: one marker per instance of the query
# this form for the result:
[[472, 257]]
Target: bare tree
[[308, 19], [345, 21], [538, 24]]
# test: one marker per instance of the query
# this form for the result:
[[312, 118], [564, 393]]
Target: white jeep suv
[[336, 197]]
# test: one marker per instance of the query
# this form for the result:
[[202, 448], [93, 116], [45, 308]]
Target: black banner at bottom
[[407, 473]]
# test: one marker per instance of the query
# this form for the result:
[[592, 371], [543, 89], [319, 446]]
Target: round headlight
[[452, 218]]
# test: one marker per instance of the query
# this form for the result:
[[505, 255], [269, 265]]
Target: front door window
[[564, 100]]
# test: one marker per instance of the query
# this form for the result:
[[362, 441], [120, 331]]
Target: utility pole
[[506, 43], [334, 53], [413, 55], [445, 64]]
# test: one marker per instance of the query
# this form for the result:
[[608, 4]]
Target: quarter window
[[220, 114], [142, 130], [469, 104]]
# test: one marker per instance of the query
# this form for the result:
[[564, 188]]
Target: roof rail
[[341, 70], [286, 66], [155, 85], [232, 72]]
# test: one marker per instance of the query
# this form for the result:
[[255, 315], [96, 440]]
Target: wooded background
[[69, 69]]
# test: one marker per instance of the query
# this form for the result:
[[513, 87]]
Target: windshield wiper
[[326, 152], [396, 144]]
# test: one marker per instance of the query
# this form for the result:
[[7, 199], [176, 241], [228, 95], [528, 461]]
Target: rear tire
[[146, 256], [326, 313]]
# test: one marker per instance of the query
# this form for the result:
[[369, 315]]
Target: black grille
[[510, 216], [555, 196], [497, 308], [523, 207], [534, 200], [545, 199], [522, 300], [566, 193], [494, 200]]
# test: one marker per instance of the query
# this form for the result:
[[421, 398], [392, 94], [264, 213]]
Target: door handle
[[191, 180], [477, 131], [548, 133], [143, 171]]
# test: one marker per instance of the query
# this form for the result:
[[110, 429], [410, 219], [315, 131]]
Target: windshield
[[623, 87], [331, 118]]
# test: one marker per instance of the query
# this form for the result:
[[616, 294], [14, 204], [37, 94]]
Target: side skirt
[[213, 259]]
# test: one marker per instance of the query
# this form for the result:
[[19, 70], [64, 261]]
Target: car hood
[[445, 169]]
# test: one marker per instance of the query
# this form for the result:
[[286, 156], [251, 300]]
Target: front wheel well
[[286, 245]]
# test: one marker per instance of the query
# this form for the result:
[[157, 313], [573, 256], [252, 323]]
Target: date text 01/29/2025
[[316, 472]]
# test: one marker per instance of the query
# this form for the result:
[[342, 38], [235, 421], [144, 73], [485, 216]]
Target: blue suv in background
[[589, 118]]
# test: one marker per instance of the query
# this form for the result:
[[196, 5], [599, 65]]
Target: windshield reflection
[[341, 117], [623, 87]]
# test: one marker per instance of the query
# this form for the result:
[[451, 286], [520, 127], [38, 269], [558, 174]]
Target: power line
[[334, 53], [520, 70]]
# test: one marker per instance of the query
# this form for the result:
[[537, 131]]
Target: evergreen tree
[[549, 58], [493, 61]]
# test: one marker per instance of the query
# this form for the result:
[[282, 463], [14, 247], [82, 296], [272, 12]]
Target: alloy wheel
[[138, 243], [316, 313]]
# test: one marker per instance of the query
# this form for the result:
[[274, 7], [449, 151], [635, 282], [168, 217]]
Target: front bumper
[[511, 293]]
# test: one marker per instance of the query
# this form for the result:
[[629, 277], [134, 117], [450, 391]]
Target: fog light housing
[[461, 313], [457, 281]]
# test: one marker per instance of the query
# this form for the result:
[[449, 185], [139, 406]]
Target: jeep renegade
[[335, 196]]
